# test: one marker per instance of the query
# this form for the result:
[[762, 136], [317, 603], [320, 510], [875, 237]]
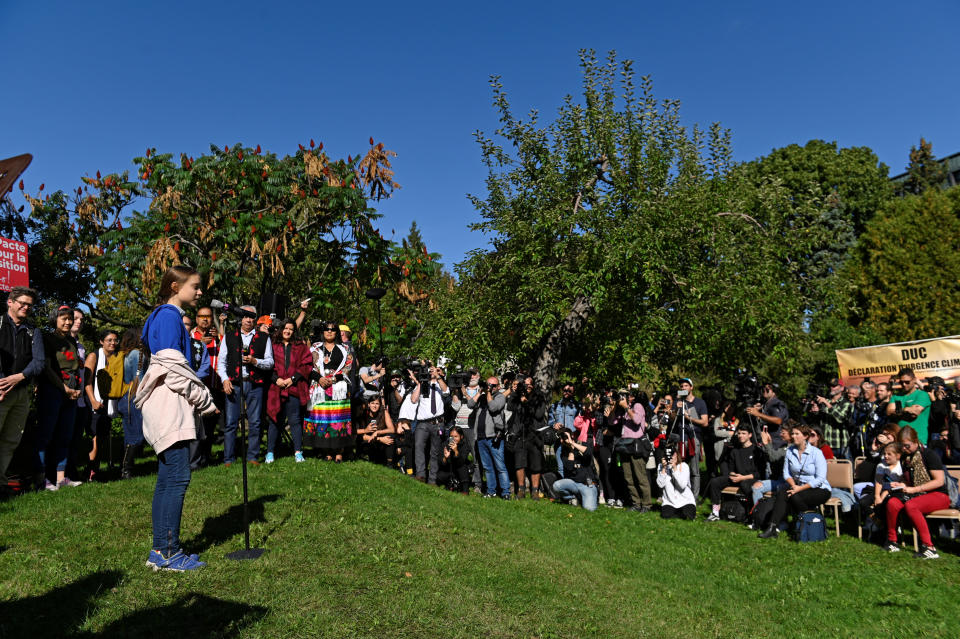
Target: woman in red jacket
[[289, 391]]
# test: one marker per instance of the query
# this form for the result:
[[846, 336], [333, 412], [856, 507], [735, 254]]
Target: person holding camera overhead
[[673, 477], [490, 435], [328, 425], [371, 378], [578, 479], [430, 395]]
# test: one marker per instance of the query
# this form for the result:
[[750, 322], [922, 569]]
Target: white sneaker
[[713, 516], [49, 486], [268, 459]]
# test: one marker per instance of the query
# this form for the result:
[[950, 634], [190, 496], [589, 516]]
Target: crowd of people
[[183, 381]]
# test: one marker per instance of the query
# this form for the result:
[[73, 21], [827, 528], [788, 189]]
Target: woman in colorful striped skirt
[[328, 425]]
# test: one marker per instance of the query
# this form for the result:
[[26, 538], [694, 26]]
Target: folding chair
[[839, 475]]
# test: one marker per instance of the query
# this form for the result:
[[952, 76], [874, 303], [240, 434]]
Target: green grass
[[358, 550]]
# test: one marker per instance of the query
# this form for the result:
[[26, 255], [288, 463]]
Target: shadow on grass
[[61, 611], [191, 615], [58, 612], [222, 528]]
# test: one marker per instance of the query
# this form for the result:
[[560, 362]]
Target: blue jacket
[[564, 414]]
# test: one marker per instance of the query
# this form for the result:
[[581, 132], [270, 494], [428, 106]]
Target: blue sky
[[88, 86]]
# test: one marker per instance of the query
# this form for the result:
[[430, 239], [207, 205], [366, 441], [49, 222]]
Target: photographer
[[578, 479], [634, 449], [529, 416], [673, 478], [454, 472], [491, 432], [429, 396], [910, 406], [371, 378], [466, 418], [836, 414], [740, 469], [695, 411], [394, 393], [562, 415]]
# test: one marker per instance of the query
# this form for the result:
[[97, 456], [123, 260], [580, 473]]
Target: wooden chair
[[839, 475]]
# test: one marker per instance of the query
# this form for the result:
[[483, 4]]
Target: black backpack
[[546, 485], [761, 513], [733, 510]]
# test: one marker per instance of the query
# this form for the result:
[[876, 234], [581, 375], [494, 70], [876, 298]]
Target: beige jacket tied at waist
[[170, 395]]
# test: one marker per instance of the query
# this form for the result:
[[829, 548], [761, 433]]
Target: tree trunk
[[551, 355]]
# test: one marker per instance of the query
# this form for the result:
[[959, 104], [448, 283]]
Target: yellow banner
[[939, 357]]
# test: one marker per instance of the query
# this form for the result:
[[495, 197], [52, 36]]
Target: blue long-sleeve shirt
[[164, 329], [807, 468]]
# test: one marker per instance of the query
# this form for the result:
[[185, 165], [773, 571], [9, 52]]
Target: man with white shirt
[[429, 398], [243, 360]]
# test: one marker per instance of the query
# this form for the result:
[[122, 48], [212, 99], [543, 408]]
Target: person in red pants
[[922, 491]]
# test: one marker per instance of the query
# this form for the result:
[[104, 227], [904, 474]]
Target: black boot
[[129, 455], [771, 532]]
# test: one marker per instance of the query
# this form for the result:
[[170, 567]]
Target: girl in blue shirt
[[164, 330]]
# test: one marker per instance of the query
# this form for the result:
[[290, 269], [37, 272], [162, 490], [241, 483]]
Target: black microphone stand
[[247, 552]]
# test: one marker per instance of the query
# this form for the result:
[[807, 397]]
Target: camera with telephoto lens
[[748, 388]]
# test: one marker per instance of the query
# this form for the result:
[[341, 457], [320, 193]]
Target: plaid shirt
[[836, 426]]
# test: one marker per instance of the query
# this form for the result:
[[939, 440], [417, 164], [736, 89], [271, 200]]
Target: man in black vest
[[21, 359], [244, 358]]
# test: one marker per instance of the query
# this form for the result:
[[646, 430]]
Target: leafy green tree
[[250, 221], [924, 171], [904, 266], [622, 243]]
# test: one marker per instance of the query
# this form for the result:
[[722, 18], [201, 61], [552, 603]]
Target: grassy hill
[[355, 550]]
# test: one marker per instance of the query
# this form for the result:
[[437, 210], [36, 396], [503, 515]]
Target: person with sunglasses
[[328, 424]]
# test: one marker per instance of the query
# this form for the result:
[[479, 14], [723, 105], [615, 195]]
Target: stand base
[[247, 553]]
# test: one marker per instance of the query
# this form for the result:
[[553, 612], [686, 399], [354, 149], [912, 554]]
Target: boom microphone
[[233, 309]]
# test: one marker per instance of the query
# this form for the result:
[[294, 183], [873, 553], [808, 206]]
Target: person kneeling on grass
[[454, 471], [171, 397], [674, 478], [805, 474], [922, 491], [578, 480]]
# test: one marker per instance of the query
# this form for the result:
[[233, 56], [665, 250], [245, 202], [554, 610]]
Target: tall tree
[[620, 241], [924, 171], [250, 221], [903, 266]]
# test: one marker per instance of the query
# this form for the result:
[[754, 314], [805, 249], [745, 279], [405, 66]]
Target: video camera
[[748, 388]]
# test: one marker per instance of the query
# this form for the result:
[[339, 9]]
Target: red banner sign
[[13, 264]]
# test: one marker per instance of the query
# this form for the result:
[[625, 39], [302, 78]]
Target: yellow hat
[[344, 327]]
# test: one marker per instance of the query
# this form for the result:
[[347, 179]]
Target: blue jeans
[[173, 477], [289, 408], [55, 417], [253, 398], [493, 466], [766, 485], [132, 421], [567, 488]]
